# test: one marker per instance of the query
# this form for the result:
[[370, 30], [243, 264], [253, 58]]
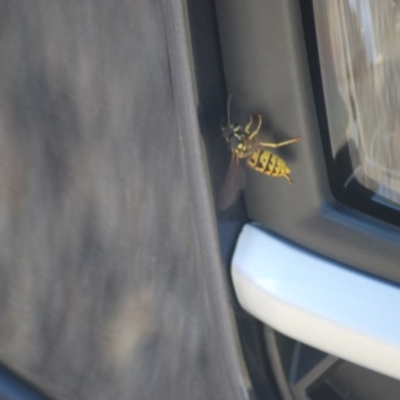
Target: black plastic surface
[[211, 92], [267, 71]]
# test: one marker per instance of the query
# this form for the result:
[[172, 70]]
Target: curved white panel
[[318, 302]]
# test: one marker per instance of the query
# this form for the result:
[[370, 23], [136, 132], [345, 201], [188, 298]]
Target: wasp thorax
[[238, 143], [234, 140]]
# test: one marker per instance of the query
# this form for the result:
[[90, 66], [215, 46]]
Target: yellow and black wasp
[[245, 143]]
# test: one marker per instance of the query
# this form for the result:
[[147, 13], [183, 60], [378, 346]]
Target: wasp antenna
[[228, 109], [228, 114], [221, 124]]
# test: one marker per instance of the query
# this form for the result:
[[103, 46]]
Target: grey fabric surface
[[101, 290]]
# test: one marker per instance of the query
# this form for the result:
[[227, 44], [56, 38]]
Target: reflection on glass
[[359, 46]]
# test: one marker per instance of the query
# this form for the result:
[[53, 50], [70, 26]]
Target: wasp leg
[[280, 144], [255, 133], [248, 126], [289, 179]]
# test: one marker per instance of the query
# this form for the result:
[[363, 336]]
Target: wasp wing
[[232, 185]]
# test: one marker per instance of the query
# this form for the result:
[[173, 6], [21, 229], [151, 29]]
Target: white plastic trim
[[318, 302]]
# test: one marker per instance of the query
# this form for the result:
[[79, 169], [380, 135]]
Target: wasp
[[244, 143]]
